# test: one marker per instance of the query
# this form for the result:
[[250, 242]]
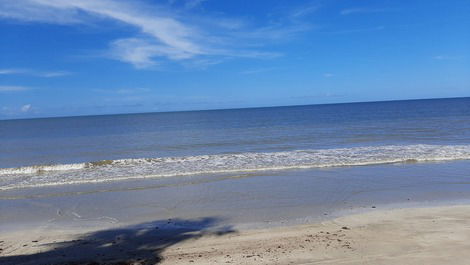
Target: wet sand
[[288, 217], [436, 235], [244, 201]]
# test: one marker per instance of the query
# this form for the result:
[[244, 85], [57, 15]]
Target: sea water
[[112, 148]]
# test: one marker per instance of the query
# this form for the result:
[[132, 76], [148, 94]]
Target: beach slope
[[404, 236], [438, 235]]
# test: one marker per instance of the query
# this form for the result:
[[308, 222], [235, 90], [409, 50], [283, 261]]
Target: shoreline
[[129, 169], [245, 201], [243, 219], [418, 235]]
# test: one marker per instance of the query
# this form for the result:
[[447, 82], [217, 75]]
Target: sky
[[88, 57]]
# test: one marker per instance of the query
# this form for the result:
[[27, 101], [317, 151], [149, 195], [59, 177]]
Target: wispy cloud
[[328, 75], [140, 52], [173, 38], [258, 71], [16, 111], [13, 88], [445, 57], [359, 30], [15, 71], [303, 11], [274, 32], [124, 91], [26, 108], [190, 4], [163, 33], [9, 71], [351, 11], [53, 74], [131, 91]]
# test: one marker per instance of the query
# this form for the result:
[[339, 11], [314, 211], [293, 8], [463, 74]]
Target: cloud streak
[[190, 4], [352, 11], [13, 88], [304, 11], [162, 33], [46, 74], [258, 71], [445, 57], [348, 31], [173, 36]]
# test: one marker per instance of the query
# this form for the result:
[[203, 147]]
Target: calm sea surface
[[52, 151]]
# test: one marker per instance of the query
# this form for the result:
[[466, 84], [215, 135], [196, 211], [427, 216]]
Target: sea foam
[[114, 170]]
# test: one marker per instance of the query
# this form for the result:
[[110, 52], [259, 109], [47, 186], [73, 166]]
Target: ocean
[[112, 148]]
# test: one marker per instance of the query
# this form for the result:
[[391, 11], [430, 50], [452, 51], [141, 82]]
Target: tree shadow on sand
[[138, 244]]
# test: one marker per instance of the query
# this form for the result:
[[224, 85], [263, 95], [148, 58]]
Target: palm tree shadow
[[138, 244]]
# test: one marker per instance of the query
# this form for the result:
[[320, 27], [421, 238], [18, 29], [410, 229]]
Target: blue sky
[[82, 57]]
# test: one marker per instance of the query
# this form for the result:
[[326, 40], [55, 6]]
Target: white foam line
[[298, 154], [91, 181], [39, 168]]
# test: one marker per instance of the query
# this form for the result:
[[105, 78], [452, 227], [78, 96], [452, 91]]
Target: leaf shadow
[[137, 244]]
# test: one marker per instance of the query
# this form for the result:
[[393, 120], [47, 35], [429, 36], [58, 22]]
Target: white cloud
[[140, 52], [351, 11], [14, 71], [128, 91], [170, 37], [304, 11], [31, 11], [348, 31], [445, 57], [124, 91], [9, 71], [26, 108], [328, 75], [274, 32], [13, 88], [190, 4], [53, 74], [163, 33], [257, 71]]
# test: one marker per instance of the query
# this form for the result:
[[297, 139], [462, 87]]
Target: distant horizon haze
[[238, 108]]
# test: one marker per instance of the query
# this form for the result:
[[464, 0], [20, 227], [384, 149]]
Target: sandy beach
[[176, 132], [416, 214], [435, 235]]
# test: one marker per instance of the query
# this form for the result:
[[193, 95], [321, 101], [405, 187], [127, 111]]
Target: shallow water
[[245, 201]]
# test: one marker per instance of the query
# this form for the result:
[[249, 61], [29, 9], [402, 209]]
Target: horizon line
[[220, 109]]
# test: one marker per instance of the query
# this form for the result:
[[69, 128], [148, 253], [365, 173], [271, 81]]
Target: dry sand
[[439, 235]]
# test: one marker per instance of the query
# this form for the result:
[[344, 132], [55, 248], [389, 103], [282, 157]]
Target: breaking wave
[[113, 170]]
